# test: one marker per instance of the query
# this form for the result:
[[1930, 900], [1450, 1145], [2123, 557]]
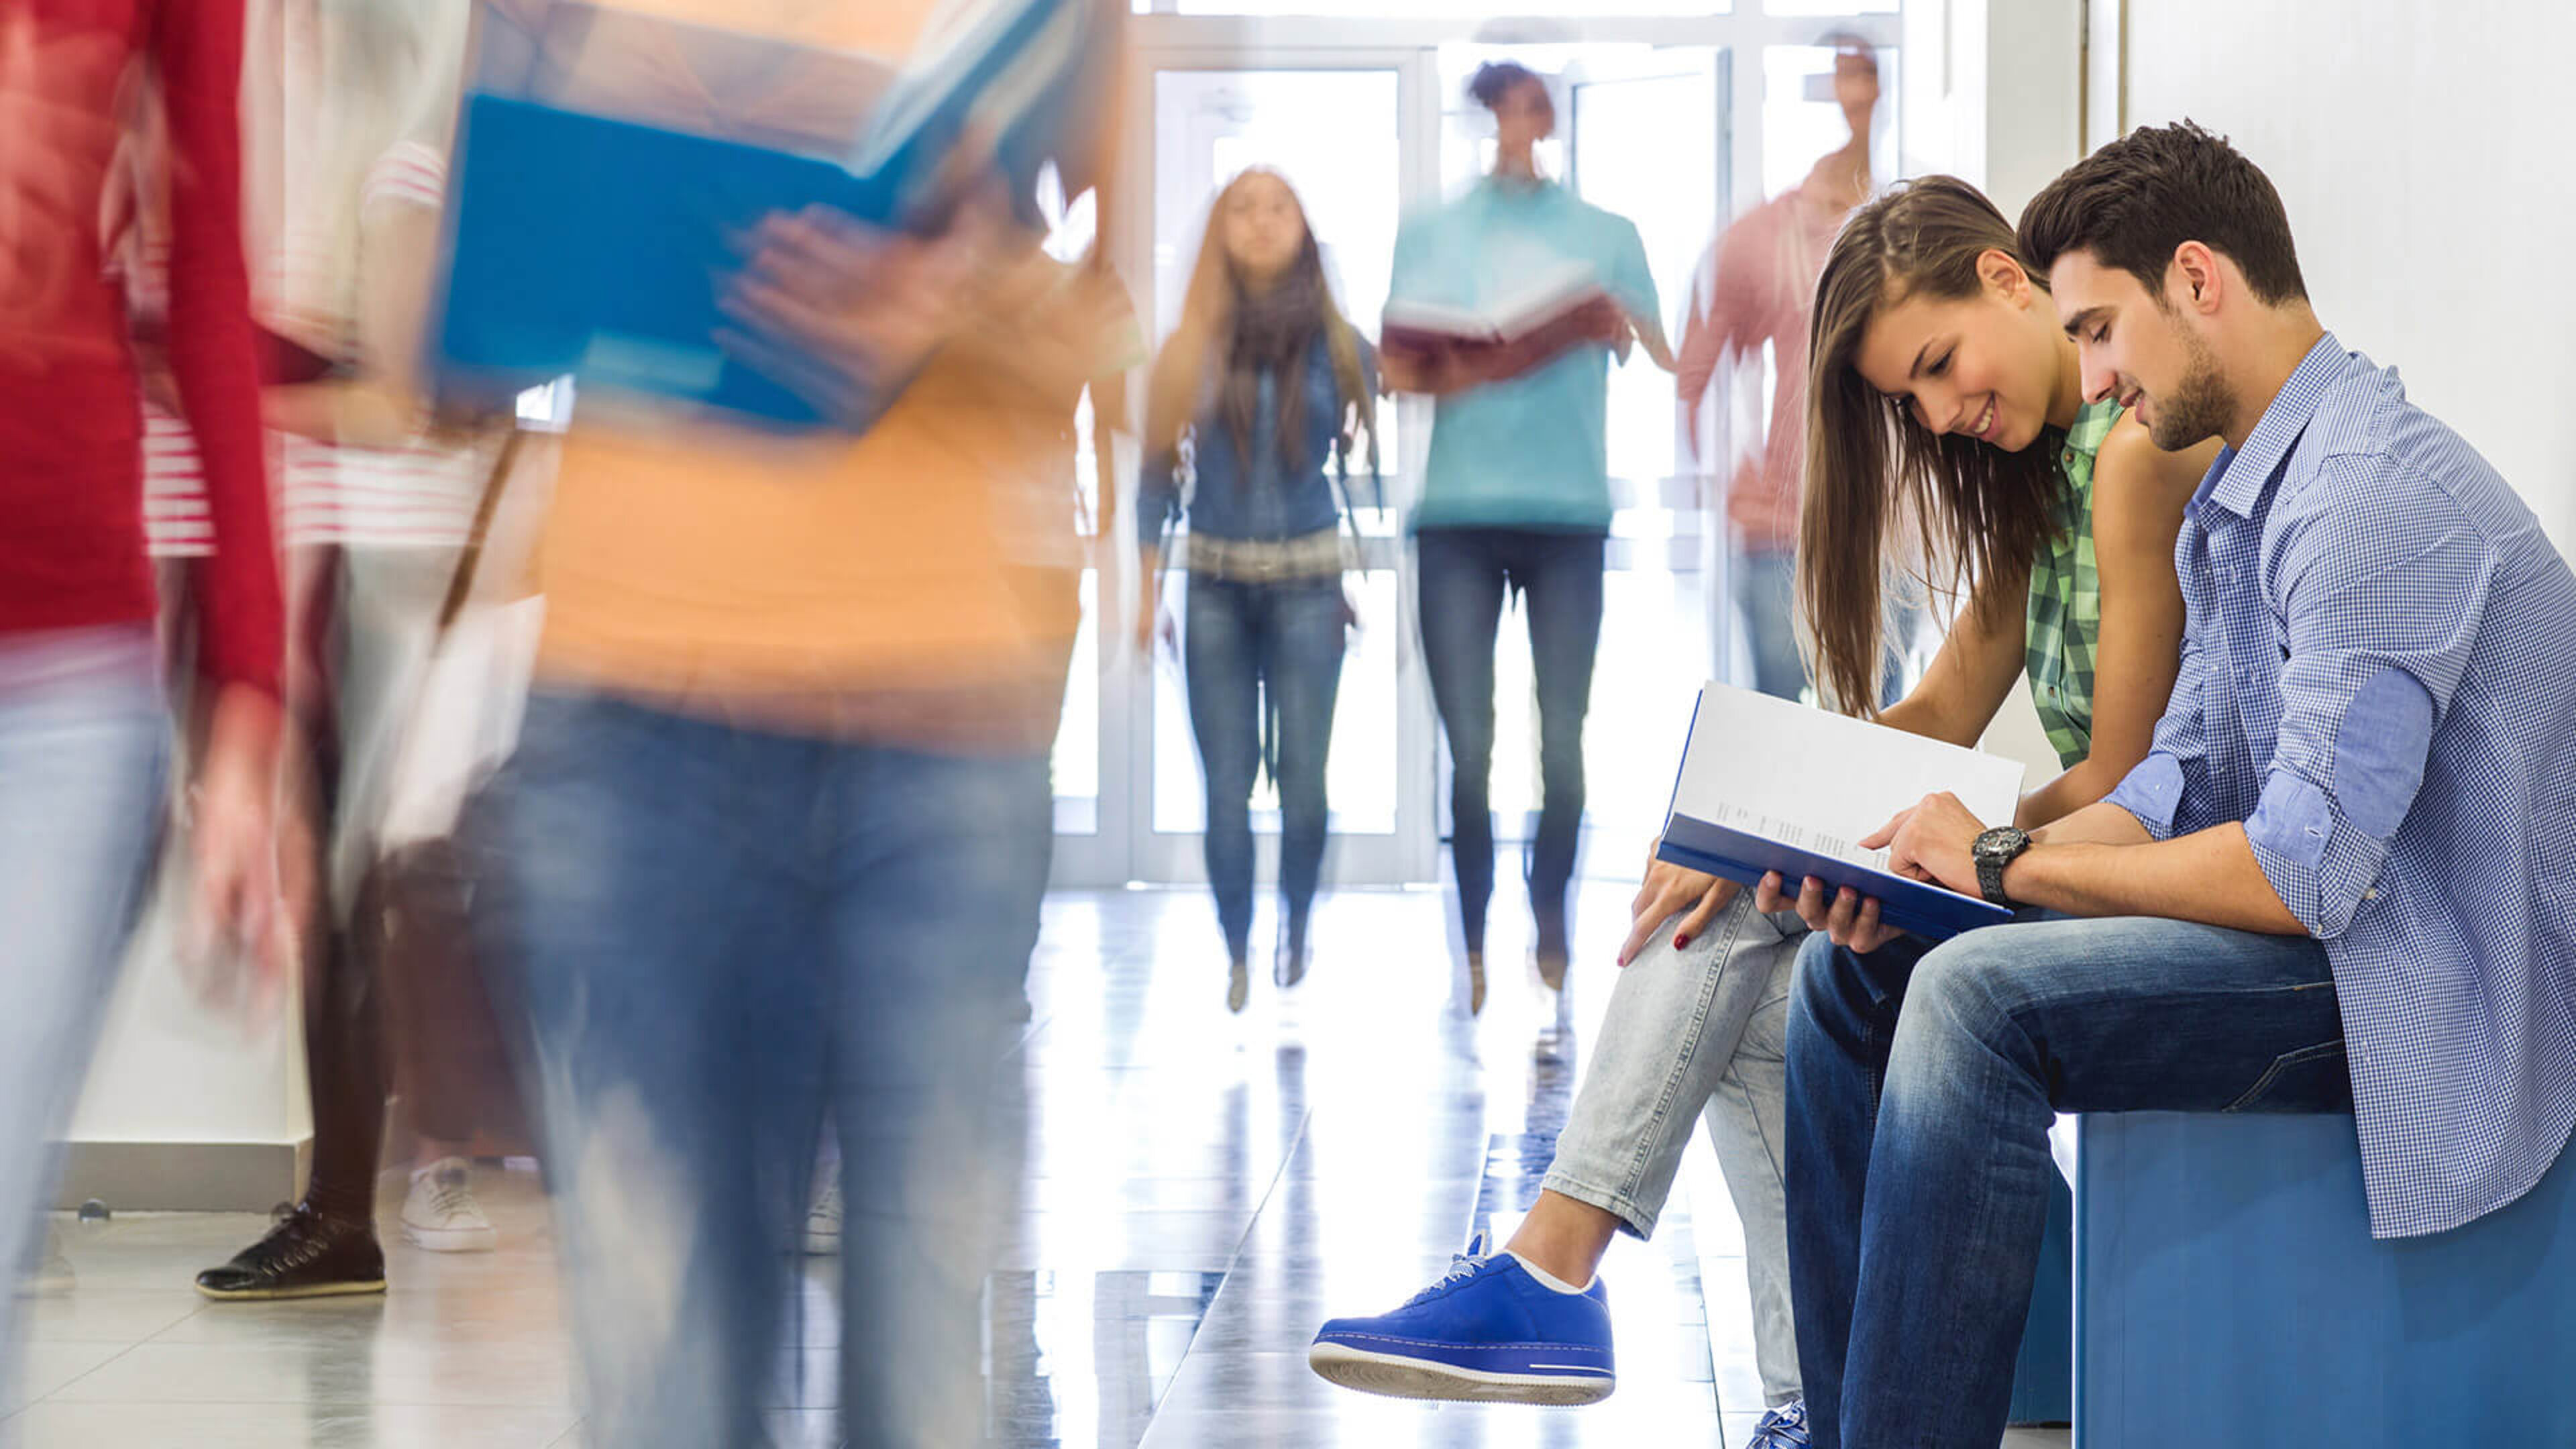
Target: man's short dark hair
[[2134, 201], [1496, 79]]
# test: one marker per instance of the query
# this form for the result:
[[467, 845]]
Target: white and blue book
[[1768, 785], [603, 184]]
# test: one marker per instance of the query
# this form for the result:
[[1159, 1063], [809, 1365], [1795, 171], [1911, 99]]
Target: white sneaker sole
[[1408, 1378], [822, 1245], [451, 1240]]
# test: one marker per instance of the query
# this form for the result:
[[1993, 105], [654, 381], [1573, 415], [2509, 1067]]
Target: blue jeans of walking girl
[[1256, 649]]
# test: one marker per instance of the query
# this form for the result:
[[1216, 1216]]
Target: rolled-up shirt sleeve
[[2381, 588]]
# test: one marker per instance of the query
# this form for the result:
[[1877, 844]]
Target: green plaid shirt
[[2066, 597]]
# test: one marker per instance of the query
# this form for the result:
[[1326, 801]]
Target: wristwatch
[[1993, 851]]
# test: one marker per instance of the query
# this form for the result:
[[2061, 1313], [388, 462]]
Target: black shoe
[[305, 1256]]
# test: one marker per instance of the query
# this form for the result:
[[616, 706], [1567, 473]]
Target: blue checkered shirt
[[2379, 680]]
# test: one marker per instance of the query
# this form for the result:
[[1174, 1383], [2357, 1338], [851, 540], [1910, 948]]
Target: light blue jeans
[[84, 749], [709, 934], [1699, 1033]]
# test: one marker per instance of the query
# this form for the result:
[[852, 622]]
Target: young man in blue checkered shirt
[[2342, 881]]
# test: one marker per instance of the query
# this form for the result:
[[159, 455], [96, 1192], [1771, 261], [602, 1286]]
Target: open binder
[[595, 240]]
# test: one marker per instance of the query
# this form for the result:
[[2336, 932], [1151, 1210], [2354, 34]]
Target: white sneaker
[[441, 1214], [823, 1222]]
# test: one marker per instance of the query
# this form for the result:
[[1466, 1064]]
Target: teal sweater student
[[1530, 452]]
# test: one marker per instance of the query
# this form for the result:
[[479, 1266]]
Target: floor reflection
[[1201, 1190]]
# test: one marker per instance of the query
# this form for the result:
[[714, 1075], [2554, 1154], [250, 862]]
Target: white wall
[[169, 1071], [1992, 97], [1991, 92], [2423, 150], [2032, 79], [2424, 153]]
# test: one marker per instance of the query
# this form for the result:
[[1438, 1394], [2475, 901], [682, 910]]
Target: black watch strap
[[1992, 852], [1990, 880]]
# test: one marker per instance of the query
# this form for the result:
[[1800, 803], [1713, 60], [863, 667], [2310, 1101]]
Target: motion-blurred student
[[84, 722], [1516, 497], [1268, 387], [377, 505], [1756, 286], [776, 833]]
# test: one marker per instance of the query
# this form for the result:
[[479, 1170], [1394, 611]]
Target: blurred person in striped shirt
[[375, 504]]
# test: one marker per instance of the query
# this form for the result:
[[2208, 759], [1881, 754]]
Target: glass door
[[1678, 117]]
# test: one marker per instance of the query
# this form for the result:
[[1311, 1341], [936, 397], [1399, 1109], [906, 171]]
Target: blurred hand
[[1669, 888], [844, 314], [1605, 321], [1154, 625], [1434, 371], [237, 922]]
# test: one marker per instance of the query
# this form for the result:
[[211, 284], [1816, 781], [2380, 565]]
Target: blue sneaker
[[1782, 1428], [1488, 1332]]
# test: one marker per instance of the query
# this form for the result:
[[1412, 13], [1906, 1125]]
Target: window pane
[[1802, 122]]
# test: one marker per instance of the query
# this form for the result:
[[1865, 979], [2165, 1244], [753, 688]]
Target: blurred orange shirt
[[853, 587]]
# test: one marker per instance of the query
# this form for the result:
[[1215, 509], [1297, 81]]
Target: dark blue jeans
[[1465, 573], [1922, 1084], [709, 934], [1252, 650]]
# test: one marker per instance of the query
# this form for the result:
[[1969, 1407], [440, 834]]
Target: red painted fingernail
[[1680, 941]]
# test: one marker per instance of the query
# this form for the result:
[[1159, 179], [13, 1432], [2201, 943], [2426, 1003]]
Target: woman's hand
[[1669, 888], [1153, 623], [237, 920], [1847, 917]]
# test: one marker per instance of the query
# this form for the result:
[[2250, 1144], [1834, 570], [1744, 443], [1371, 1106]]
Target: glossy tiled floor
[[1203, 1190]]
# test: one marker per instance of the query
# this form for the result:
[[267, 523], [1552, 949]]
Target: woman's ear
[[2002, 274]]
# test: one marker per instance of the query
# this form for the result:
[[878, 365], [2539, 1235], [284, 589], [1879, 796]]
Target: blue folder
[[1909, 905], [599, 247]]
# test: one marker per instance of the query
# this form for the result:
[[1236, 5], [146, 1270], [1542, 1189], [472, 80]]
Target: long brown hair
[[1875, 475], [1211, 331]]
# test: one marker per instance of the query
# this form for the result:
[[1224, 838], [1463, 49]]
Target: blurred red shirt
[[72, 549], [1758, 284]]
